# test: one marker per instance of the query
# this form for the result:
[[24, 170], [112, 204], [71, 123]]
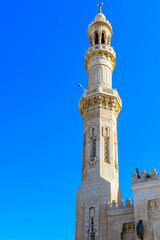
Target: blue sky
[[41, 46]]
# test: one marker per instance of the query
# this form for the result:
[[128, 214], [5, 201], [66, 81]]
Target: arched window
[[96, 38], [102, 39]]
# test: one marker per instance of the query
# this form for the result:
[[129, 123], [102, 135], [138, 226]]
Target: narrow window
[[96, 38], [106, 150], [91, 224], [106, 147], [102, 39], [93, 148]]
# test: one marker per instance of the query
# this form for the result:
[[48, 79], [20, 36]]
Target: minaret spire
[[100, 7]]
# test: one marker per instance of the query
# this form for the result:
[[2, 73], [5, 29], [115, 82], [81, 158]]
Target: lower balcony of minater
[[100, 97]]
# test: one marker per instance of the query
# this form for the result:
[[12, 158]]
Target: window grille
[[93, 147], [106, 150], [92, 230]]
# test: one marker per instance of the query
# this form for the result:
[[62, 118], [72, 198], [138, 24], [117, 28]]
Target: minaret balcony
[[98, 47], [100, 98]]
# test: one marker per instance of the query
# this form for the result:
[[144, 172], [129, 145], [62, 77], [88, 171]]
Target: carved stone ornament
[[100, 51], [128, 227], [154, 205], [92, 162], [99, 100]]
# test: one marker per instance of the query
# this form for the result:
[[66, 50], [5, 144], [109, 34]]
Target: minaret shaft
[[99, 107]]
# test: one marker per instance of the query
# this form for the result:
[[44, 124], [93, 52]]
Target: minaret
[[99, 107]]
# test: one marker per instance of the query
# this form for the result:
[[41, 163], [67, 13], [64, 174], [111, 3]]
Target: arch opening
[[96, 38], [102, 39]]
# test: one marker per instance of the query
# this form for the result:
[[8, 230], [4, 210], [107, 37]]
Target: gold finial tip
[[100, 7]]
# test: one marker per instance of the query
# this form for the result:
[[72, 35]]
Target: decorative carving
[[128, 227], [98, 51], [153, 204], [97, 25], [105, 131], [92, 162], [99, 100]]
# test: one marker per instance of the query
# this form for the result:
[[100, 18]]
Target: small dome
[[99, 17]]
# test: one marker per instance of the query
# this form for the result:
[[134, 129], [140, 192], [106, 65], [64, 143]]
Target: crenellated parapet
[[112, 206], [145, 177], [100, 98]]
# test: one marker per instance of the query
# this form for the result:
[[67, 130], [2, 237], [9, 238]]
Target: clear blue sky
[[41, 46]]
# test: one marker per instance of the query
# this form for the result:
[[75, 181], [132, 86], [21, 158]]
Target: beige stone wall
[[116, 221], [146, 195]]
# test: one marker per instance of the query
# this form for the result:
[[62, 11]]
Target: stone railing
[[120, 205], [145, 177], [100, 47], [154, 203]]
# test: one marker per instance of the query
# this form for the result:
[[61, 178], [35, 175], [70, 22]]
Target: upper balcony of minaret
[[100, 52]]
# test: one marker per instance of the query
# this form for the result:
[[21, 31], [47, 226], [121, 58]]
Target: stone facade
[[101, 213]]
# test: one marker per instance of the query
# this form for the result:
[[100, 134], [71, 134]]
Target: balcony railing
[[100, 47]]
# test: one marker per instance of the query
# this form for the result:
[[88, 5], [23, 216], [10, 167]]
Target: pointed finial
[[100, 7]]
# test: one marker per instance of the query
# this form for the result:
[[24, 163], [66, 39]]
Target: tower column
[[99, 107]]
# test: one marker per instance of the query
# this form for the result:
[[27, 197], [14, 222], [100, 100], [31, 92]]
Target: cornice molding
[[99, 100]]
